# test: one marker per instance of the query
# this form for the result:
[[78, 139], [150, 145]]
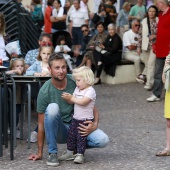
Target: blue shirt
[[31, 57], [122, 18]]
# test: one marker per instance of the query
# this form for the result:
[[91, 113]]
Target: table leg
[[29, 115], [11, 127], [1, 143]]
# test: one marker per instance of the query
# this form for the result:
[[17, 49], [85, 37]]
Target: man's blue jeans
[[56, 131]]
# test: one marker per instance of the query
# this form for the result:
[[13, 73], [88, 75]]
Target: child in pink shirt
[[83, 99]]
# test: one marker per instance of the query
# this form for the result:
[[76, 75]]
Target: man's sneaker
[[66, 157], [79, 159], [153, 98], [141, 79], [17, 133], [33, 137], [147, 87], [52, 160]]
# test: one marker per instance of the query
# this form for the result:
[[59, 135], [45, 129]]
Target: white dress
[[62, 48]]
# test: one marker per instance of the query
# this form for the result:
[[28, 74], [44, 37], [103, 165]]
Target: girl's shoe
[[165, 152], [66, 157], [79, 159]]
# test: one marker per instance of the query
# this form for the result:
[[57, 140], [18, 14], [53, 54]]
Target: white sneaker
[[33, 137], [17, 133], [147, 87], [153, 98], [79, 159]]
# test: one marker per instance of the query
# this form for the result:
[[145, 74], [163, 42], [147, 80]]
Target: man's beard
[[57, 79]]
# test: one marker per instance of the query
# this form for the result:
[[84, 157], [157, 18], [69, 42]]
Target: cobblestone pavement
[[136, 130]]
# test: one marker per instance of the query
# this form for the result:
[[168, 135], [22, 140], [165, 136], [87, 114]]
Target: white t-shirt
[[78, 17], [129, 38], [61, 48], [3, 55], [83, 5], [84, 112], [96, 5]]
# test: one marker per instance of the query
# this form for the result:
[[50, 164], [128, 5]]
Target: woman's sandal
[[165, 152]]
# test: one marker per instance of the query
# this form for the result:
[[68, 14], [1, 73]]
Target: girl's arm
[[12, 72], [167, 62], [67, 48], [32, 70], [81, 101], [73, 100], [57, 49]]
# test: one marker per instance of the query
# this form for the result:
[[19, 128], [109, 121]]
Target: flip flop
[[165, 152]]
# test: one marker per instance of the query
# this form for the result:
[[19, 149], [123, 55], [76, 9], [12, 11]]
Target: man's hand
[[35, 157], [86, 130]]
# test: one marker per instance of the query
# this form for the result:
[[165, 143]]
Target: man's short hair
[[134, 20], [77, 0], [84, 25], [55, 56], [45, 35]]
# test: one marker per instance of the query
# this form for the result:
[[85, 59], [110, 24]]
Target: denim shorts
[[77, 35]]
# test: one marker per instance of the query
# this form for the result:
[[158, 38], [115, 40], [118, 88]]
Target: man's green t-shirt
[[139, 11], [49, 94]]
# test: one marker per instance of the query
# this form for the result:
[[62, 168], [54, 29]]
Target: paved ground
[[136, 130]]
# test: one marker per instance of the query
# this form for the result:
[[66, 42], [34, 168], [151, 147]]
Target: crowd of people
[[99, 40]]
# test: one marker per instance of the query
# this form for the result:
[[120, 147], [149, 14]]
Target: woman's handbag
[[105, 53]]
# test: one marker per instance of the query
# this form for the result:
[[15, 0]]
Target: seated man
[[31, 55], [86, 38], [130, 41], [55, 114]]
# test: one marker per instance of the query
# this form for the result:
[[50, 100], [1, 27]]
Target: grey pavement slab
[[135, 127]]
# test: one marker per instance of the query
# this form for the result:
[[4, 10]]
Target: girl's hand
[[66, 96], [37, 74], [65, 52], [19, 72], [167, 62]]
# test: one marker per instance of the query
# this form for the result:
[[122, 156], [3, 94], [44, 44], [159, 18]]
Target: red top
[[47, 22], [163, 35]]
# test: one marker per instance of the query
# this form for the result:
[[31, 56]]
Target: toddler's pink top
[[84, 112]]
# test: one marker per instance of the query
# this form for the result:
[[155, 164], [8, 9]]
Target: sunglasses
[[137, 25], [46, 44], [84, 31]]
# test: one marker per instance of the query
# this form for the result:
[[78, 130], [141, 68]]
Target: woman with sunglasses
[[93, 56], [147, 37]]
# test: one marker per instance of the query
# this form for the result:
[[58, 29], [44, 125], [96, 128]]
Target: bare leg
[[166, 151], [168, 135], [89, 63]]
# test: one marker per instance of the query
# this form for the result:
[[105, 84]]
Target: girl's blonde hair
[[3, 25], [13, 60], [41, 47], [86, 73]]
